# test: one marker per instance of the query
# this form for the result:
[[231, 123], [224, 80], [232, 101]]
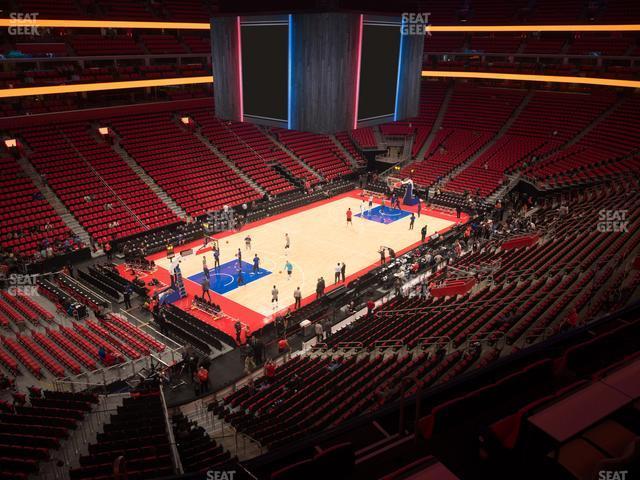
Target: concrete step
[[282, 147], [150, 182], [345, 152], [77, 445], [380, 143], [507, 125], [595, 123], [229, 162], [436, 125], [67, 217]]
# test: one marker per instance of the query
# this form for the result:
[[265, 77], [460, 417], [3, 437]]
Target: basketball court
[[320, 238]]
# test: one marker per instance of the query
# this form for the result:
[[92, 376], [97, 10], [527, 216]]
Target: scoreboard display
[[379, 70], [317, 72], [265, 56]]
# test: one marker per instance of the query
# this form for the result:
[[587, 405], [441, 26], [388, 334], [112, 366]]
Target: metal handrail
[[484, 337], [350, 345], [175, 456], [438, 341], [388, 343]]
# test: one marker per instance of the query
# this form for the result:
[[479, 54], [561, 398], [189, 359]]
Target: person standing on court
[[338, 270], [297, 296], [383, 257], [256, 263], [205, 269], [247, 242], [412, 220], [205, 288], [289, 268], [216, 259], [274, 295], [423, 233], [419, 207], [287, 243], [349, 215], [343, 270], [318, 289]]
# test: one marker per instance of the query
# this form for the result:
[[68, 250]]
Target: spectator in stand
[[107, 250], [269, 370], [370, 306], [283, 348], [319, 331], [258, 349], [238, 328], [127, 297], [249, 364], [102, 353], [203, 379]]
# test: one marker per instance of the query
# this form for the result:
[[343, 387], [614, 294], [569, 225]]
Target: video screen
[[378, 70], [265, 70]]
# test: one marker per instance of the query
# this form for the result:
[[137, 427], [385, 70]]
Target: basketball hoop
[[394, 183]]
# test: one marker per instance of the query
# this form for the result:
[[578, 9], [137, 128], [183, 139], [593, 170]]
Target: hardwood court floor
[[320, 238]]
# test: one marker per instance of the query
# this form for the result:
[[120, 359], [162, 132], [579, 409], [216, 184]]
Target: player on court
[[256, 263], [362, 209], [239, 255], [247, 242], [287, 243], [349, 215], [216, 259], [370, 202], [289, 268], [382, 202]]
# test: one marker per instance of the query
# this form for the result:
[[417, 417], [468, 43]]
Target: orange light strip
[[9, 22], [92, 87], [608, 82], [39, 22]]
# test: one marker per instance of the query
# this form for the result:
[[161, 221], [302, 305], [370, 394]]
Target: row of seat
[[29, 432], [27, 218], [137, 433], [199, 181]]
